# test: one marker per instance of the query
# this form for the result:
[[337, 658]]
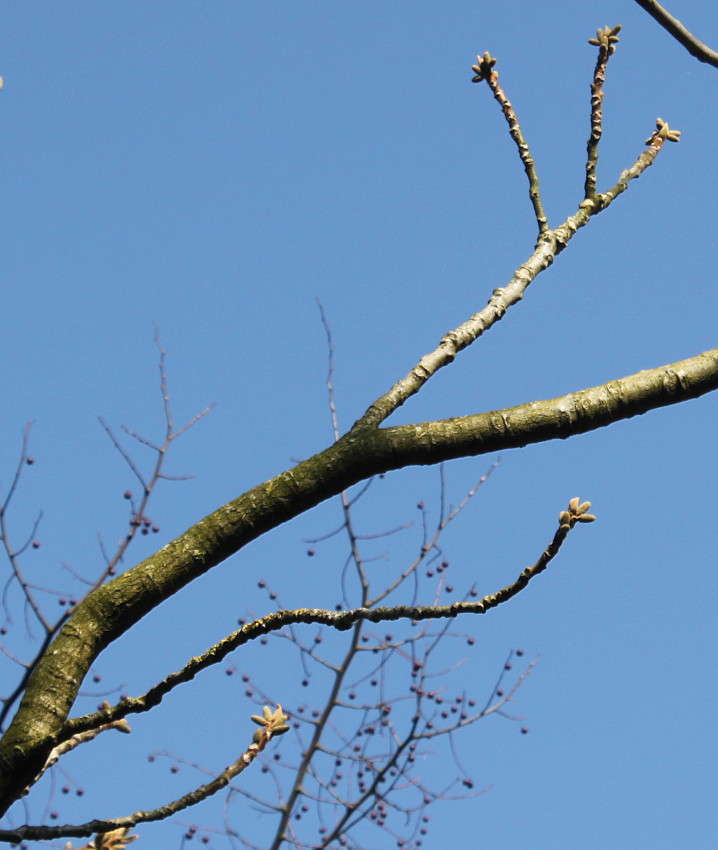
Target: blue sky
[[215, 168]]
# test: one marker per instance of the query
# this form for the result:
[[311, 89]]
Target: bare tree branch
[[109, 610], [112, 608], [550, 244], [340, 620], [271, 724], [605, 40], [484, 70], [672, 25]]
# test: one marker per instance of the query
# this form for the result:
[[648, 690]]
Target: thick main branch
[[112, 609]]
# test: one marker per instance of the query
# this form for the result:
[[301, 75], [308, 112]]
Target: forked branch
[[550, 243], [271, 723], [367, 449]]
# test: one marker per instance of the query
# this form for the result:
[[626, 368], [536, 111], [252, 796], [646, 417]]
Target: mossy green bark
[[113, 608]]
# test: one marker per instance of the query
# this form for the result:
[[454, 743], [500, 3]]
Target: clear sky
[[216, 167]]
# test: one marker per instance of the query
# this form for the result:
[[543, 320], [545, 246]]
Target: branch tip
[[577, 512], [271, 722], [663, 133], [606, 39], [484, 67]]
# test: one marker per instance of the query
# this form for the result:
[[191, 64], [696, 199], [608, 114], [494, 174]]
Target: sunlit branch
[[673, 26], [605, 40], [484, 70], [340, 620], [550, 244], [271, 724], [112, 608]]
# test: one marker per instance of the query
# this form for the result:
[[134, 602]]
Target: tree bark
[[364, 451]]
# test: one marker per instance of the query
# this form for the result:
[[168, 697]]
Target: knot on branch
[[483, 68], [663, 133], [606, 39]]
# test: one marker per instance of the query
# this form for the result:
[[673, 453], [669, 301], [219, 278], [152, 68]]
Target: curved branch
[[112, 609], [672, 25], [260, 740], [340, 620]]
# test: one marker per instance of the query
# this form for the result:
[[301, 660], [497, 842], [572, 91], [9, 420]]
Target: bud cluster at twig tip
[[606, 38], [272, 723], [483, 68], [116, 839], [577, 512], [664, 132]]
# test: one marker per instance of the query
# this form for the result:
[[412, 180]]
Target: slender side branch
[[271, 724], [606, 40], [110, 609], [484, 70], [672, 25], [113, 608], [340, 620], [82, 737], [549, 246]]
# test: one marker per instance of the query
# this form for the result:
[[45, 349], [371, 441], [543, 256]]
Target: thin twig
[[261, 739], [484, 70], [13, 554], [606, 40]]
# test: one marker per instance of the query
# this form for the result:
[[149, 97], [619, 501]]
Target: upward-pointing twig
[[606, 40], [484, 70]]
